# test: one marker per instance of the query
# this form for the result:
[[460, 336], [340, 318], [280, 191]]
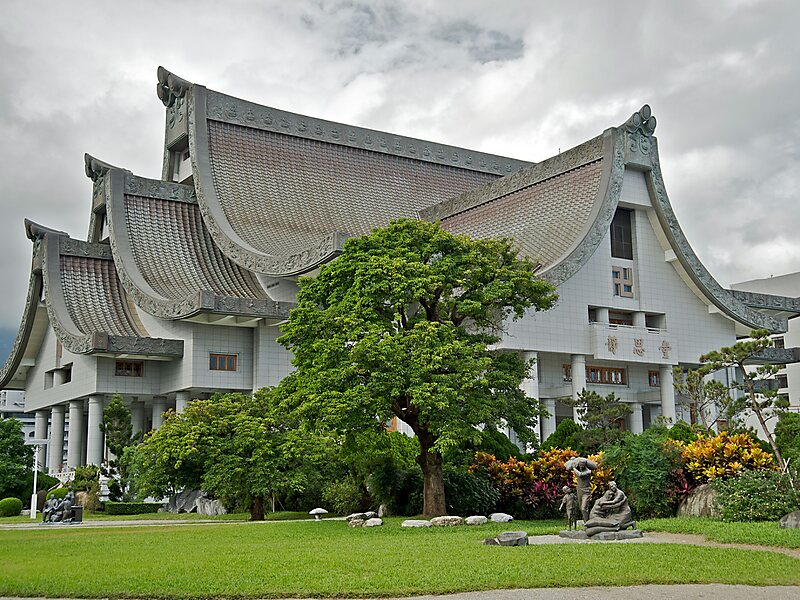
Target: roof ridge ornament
[[642, 121], [170, 87], [34, 231], [95, 168]]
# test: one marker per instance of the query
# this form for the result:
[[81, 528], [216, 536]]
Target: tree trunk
[[433, 501], [257, 509]]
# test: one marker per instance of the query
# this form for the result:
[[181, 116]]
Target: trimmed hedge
[[10, 507], [131, 508]]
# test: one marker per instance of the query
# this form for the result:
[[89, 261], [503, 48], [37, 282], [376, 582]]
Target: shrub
[[398, 488], [131, 508], [724, 455], [682, 432], [764, 495], [533, 489], [345, 496], [10, 507], [787, 438], [648, 469], [469, 494], [58, 493], [566, 435]]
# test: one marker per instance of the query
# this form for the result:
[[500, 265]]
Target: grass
[[761, 534], [329, 559]]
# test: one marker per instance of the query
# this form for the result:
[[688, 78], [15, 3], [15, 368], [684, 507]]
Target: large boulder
[[416, 523], [356, 522], [373, 522], [702, 502], [791, 520], [193, 501], [476, 520], [446, 521]]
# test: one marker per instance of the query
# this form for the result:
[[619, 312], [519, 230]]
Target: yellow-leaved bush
[[723, 455]]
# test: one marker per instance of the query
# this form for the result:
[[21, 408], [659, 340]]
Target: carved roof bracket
[[170, 87]]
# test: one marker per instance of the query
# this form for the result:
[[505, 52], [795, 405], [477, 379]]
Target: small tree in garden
[[117, 427], [707, 400], [787, 438], [16, 459], [601, 416], [401, 325], [756, 398]]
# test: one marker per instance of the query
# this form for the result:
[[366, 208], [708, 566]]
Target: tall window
[[222, 362], [621, 236]]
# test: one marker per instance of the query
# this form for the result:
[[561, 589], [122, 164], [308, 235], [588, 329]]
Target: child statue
[[570, 503]]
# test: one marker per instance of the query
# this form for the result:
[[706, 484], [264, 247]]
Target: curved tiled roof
[[167, 260], [544, 218], [280, 192]]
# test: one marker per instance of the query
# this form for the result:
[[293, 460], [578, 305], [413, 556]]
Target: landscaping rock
[[371, 514], [513, 538], [700, 503], [476, 520], [446, 521], [629, 534], [207, 506], [373, 522], [415, 523], [383, 510], [356, 522], [500, 518], [491, 542], [791, 520], [573, 534], [361, 516]]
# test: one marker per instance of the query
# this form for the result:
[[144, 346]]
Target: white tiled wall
[[272, 361]]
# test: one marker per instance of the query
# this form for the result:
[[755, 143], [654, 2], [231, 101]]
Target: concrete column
[[548, 424], [601, 314], [137, 417], [578, 369], [530, 385], [76, 433], [159, 406], [637, 424], [667, 393], [58, 377], [181, 400], [95, 440], [40, 432], [639, 319], [55, 451]]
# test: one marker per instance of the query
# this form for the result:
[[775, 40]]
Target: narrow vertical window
[[621, 235]]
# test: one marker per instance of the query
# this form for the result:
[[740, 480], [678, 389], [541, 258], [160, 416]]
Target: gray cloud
[[517, 78]]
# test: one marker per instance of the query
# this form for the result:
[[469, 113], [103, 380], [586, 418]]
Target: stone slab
[[512, 538], [416, 523], [573, 534], [608, 536]]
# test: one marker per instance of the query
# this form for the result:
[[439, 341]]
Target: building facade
[[180, 287]]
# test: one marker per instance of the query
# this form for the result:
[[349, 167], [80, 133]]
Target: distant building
[[182, 283], [787, 380]]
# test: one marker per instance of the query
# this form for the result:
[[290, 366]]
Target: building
[[182, 283], [787, 381]]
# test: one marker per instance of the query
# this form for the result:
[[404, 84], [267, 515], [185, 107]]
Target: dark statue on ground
[[583, 468], [570, 503], [60, 511], [611, 512]]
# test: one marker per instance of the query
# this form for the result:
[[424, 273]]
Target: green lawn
[[762, 534], [99, 516], [330, 559]]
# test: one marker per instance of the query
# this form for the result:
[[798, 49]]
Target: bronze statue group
[[59, 511], [610, 512]]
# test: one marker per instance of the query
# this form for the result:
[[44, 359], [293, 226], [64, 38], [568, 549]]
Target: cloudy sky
[[521, 79]]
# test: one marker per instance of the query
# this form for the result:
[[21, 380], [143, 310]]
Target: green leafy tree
[[787, 438], [601, 416], [567, 435], [16, 459], [708, 400], [401, 325], [753, 393], [235, 446], [117, 426]]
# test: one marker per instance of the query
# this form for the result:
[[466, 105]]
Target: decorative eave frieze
[[14, 360], [768, 301]]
